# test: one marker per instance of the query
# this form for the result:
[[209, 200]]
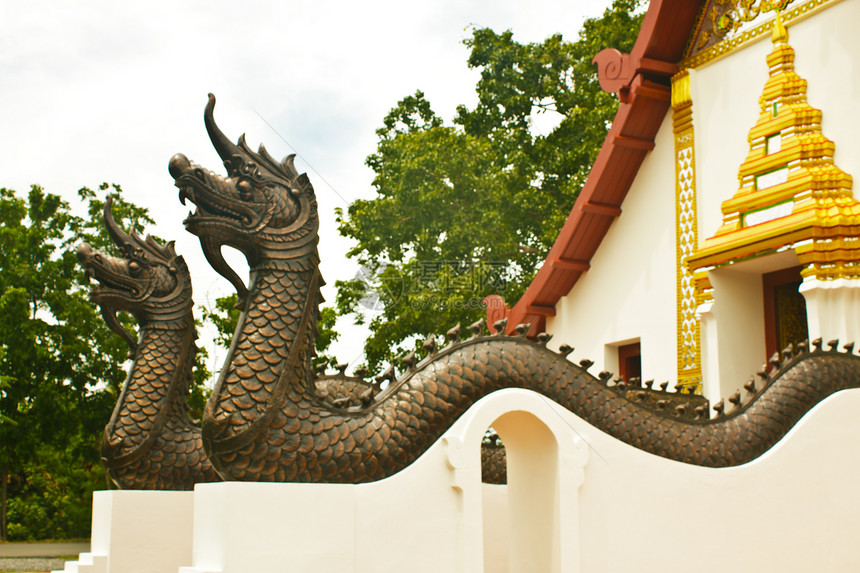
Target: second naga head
[[263, 207]]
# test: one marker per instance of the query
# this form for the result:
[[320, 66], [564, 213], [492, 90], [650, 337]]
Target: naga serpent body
[[150, 442], [266, 420]]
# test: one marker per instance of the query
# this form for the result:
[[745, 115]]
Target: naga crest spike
[[719, 407], [774, 361], [543, 338], [430, 344], [604, 376], [649, 384], [522, 328], [361, 372], [409, 360], [389, 375], [586, 363], [222, 144], [817, 343], [681, 409], [664, 386], [368, 395], [341, 368], [833, 344], [701, 411], [849, 347], [477, 327], [454, 333], [500, 325], [116, 233], [565, 349], [750, 385], [735, 398]]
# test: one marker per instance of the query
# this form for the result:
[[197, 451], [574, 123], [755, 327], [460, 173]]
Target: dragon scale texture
[[267, 419], [150, 442]]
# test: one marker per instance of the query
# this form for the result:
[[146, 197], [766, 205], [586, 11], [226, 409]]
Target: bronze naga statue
[[151, 442], [271, 418], [267, 419]]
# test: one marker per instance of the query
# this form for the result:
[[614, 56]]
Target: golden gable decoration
[[719, 19], [791, 193]]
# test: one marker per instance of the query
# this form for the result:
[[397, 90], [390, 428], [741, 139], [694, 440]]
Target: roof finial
[[779, 34]]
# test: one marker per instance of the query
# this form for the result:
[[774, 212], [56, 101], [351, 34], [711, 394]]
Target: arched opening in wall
[[521, 519]]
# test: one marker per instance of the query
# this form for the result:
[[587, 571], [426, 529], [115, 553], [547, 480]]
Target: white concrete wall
[[832, 309], [495, 521], [794, 509], [629, 291], [137, 531], [613, 507]]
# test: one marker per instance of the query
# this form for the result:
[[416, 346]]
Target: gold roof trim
[[725, 47]]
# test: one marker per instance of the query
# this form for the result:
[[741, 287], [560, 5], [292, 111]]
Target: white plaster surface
[[629, 291], [428, 518], [794, 509], [137, 531], [598, 505], [739, 311], [832, 309]]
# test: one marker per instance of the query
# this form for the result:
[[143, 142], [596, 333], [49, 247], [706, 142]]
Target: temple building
[[718, 224]]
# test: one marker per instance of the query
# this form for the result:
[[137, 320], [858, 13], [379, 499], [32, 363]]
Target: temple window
[[774, 143], [630, 361]]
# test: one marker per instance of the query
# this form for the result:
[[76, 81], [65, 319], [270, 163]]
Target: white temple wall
[[613, 507], [628, 294]]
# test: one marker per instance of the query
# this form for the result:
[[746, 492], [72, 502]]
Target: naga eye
[[133, 267], [245, 189]]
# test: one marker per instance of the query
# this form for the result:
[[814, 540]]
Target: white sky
[[108, 91]]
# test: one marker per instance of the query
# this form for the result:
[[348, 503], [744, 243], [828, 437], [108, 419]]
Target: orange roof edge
[[641, 80]]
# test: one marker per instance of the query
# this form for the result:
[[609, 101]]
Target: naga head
[[150, 280], [263, 207]]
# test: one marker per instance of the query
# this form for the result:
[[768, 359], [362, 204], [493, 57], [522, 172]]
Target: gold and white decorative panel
[[686, 235]]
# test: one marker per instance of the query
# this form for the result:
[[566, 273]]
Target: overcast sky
[[108, 91]]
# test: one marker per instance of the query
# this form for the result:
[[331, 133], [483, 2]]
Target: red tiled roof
[[642, 80]]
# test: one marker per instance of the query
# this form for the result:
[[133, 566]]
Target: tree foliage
[[471, 209]]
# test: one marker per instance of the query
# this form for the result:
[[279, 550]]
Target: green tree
[[471, 209], [60, 365]]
